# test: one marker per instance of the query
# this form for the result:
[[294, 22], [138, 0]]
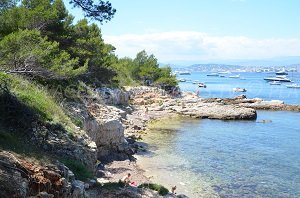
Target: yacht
[[182, 80], [202, 85], [224, 72], [294, 85], [282, 72], [236, 76], [212, 74], [278, 78], [239, 89]]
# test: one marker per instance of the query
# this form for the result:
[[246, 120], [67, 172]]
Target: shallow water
[[213, 158]]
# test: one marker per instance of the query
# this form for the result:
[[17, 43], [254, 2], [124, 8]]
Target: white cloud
[[199, 46]]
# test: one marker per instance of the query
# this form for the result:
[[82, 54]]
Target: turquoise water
[[253, 82], [231, 158], [214, 158]]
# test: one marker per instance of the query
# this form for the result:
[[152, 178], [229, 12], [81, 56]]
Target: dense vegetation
[[38, 38]]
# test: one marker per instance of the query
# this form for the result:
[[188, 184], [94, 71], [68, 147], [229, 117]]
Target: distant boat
[[278, 78], [184, 73], [182, 80], [225, 72], [195, 81], [202, 85], [282, 72], [239, 89], [222, 76], [212, 74], [235, 76], [294, 85], [275, 83]]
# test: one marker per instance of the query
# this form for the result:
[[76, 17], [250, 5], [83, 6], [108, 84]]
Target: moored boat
[[282, 72], [202, 85], [278, 78], [235, 76], [294, 85], [212, 74], [238, 89]]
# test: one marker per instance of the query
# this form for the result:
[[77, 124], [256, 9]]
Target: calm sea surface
[[213, 158], [253, 82]]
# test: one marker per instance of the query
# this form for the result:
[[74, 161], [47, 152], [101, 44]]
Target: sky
[[202, 31]]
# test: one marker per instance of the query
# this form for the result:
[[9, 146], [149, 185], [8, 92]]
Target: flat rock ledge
[[217, 111], [188, 104]]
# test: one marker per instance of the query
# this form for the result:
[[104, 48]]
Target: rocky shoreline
[[150, 104], [113, 123]]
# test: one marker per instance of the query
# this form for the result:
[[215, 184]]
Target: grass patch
[[37, 98], [157, 187], [77, 121], [80, 171], [15, 142]]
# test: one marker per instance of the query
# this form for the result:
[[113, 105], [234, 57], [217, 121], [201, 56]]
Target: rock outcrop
[[255, 103], [103, 124], [189, 104], [23, 178], [113, 96], [77, 146]]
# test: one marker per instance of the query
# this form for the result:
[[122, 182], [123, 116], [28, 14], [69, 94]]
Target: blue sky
[[204, 30]]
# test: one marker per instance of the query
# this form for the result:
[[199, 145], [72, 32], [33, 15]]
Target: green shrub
[[80, 171], [36, 98], [157, 187]]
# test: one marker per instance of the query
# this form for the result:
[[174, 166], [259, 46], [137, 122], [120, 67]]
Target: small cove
[[214, 158]]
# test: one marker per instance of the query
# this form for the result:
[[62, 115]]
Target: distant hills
[[273, 64]]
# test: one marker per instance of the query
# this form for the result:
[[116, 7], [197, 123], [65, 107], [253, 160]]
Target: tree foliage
[[40, 37], [26, 51], [145, 69], [101, 11]]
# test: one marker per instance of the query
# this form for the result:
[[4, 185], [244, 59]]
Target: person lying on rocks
[[127, 180]]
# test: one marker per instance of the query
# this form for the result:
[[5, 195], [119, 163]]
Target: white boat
[[212, 74], [282, 72], [235, 76], [202, 85], [224, 72], [238, 89], [278, 78], [182, 80], [275, 83], [195, 81], [294, 85]]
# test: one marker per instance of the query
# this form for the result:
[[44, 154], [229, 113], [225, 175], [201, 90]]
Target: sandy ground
[[118, 169]]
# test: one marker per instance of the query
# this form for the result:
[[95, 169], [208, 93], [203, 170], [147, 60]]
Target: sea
[[215, 158]]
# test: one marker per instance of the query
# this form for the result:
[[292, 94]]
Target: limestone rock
[[78, 189], [113, 96]]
